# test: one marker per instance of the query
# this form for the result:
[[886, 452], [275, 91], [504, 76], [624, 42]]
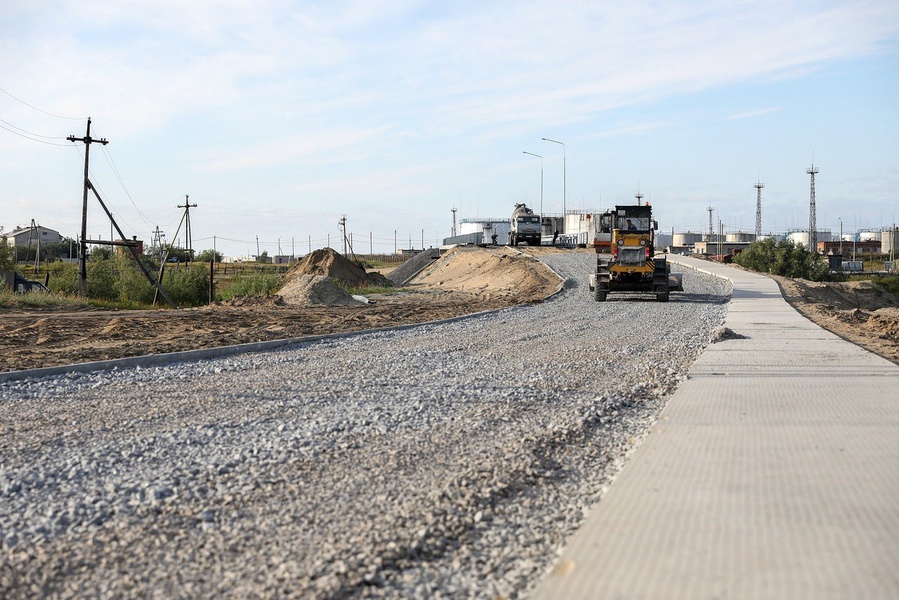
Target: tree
[[7, 261], [209, 256], [785, 258], [178, 255], [101, 253]]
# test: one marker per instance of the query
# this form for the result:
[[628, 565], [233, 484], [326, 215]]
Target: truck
[[524, 226], [633, 266], [17, 283], [602, 231]]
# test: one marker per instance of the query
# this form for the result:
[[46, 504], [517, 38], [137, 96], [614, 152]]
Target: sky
[[278, 118]]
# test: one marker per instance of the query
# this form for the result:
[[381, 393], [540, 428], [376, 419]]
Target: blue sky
[[278, 117]]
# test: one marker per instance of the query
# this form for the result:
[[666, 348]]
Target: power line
[[46, 137], [29, 134], [41, 110]]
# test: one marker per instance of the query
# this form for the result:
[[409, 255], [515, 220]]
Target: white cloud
[[235, 89]]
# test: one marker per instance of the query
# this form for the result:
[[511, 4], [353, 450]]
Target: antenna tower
[[454, 221], [711, 209], [639, 198], [758, 209], [812, 234]]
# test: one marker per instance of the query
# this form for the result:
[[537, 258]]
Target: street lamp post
[[564, 179], [841, 237], [541, 187]]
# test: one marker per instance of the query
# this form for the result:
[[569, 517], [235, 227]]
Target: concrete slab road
[[772, 473]]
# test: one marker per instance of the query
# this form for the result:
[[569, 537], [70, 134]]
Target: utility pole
[[758, 209], [158, 245], [34, 232], [87, 140], [342, 224], [190, 248], [812, 234]]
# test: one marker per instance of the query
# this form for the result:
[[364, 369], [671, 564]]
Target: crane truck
[[633, 266]]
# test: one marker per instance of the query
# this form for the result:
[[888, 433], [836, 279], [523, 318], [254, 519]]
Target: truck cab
[[524, 226]]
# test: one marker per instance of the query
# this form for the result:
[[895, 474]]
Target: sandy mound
[[847, 295], [329, 263], [306, 290], [886, 321], [491, 272]]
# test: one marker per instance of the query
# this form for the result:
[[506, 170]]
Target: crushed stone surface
[[443, 460]]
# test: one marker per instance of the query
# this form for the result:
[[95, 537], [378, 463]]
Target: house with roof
[[24, 236]]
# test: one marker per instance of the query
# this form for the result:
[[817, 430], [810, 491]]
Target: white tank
[[889, 241], [740, 237], [801, 237], [686, 239], [868, 236]]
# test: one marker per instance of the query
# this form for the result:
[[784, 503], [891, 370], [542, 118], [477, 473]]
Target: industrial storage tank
[[738, 237], [801, 237], [869, 236], [686, 239], [889, 241]]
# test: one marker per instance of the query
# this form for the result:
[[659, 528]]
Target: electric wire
[[31, 106], [28, 135]]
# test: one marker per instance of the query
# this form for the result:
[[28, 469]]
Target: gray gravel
[[447, 460]]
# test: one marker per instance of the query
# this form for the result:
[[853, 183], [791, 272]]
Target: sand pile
[[885, 321], [305, 290], [491, 272], [329, 263]]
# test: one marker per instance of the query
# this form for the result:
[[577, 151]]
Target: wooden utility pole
[[82, 247], [190, 248], [342, 224]]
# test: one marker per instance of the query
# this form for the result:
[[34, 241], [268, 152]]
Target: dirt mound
[[859, 311], [307, 290], [886, 321], [866, 295], [329, 263], [491, 272]]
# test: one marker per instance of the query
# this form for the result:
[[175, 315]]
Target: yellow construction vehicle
[[633, 266]]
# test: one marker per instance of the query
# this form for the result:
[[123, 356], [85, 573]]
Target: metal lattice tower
[[812, 221], [758, 209], [454, 221], [711, 223]]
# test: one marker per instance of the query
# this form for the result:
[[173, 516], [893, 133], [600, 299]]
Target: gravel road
[[446, 460]]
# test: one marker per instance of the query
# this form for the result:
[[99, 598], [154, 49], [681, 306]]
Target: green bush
[[102, 279], [254, 284], [188, 285], [890, 284], [63, 277], [7, 260], [207, 256], [785, 258], [133, 286]]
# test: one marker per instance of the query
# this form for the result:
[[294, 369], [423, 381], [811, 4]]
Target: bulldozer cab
[[634, 218]]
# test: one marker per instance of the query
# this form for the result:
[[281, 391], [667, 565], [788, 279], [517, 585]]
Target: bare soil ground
[[858, 312], [461, 282]]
